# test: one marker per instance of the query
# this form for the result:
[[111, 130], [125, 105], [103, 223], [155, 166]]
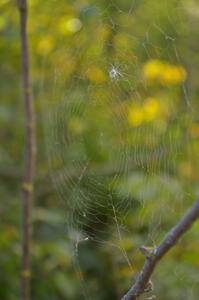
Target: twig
[[30, 148], [151, 260]]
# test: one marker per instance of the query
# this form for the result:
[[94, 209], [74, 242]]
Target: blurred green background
[[116, 95]]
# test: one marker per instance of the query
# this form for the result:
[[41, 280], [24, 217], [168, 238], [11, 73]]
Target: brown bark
[[30, 146]]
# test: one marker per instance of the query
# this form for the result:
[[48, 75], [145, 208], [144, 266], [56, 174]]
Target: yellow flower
[[153, 69], [173, 75], [135, 116], [151, 109], [95, 74], [69, 25], [73, 25], [165, 73]]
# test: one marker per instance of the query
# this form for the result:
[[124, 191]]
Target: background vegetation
[[137, 134]]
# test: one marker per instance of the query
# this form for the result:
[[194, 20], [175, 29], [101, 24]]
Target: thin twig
[[30, 148], [151, 260]]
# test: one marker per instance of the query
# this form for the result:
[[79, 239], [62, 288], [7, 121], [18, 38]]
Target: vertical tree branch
[[30, 147]]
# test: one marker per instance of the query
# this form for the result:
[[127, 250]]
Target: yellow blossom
[[73, 25], [165, 73], [69, 25], [95, 74], [153, 69], [135, 116], [151, 109], [173, 75]]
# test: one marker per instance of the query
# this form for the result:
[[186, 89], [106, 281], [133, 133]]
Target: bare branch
[[29, 153], [156, 254]]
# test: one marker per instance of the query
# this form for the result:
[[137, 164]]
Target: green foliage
[[144, 124]]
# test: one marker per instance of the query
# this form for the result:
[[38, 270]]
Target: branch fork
[[154, 256]]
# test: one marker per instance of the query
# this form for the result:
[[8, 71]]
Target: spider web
[[108, 169]]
